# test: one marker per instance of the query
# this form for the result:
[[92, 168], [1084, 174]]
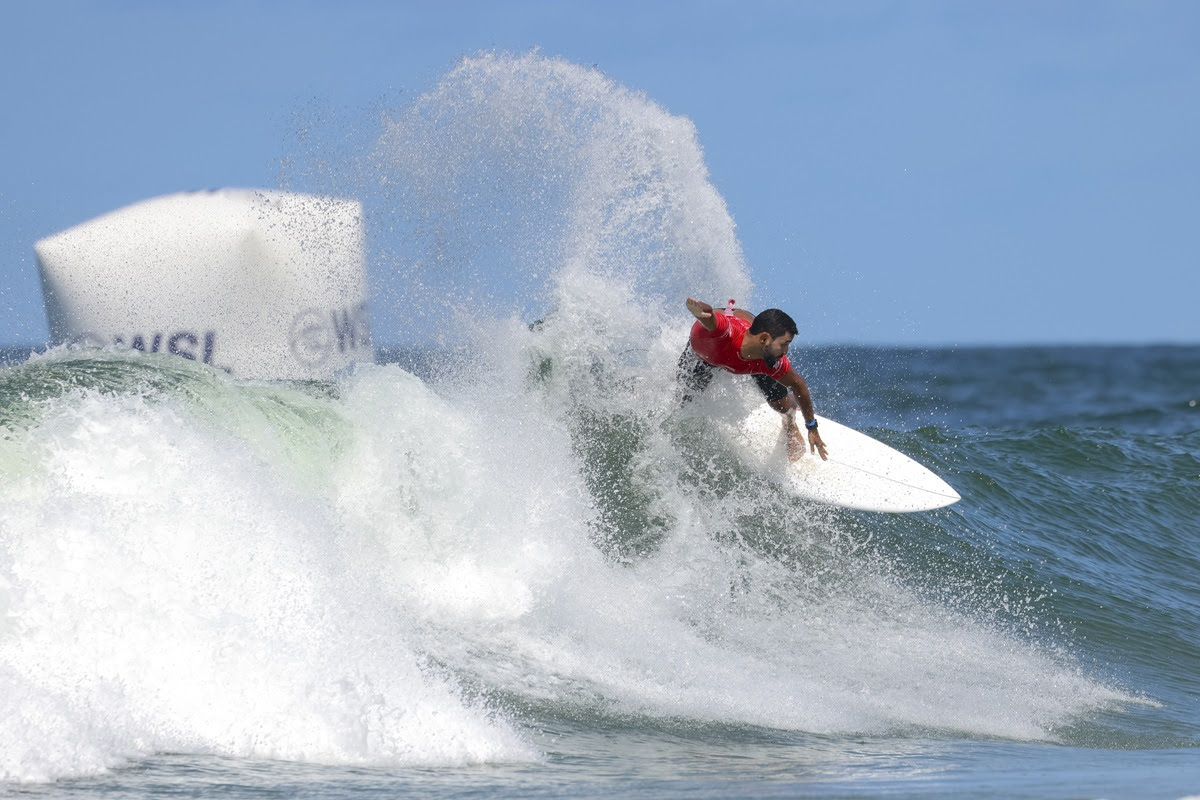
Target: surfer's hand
[[700, 310], [815, 443]]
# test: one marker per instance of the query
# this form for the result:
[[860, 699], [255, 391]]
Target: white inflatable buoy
[[263, 284]]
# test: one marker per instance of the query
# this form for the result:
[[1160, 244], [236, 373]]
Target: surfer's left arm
[[799, 397]]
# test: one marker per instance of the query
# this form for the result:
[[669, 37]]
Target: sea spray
[[515, 171]]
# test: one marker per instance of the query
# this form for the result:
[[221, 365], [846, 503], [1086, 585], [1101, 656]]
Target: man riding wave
[[745, 344]]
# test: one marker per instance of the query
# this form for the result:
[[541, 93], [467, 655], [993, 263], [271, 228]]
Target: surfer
[[745, 344]]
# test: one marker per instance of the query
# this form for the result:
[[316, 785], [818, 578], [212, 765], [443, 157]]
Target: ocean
[[506, 562], [390, 584]]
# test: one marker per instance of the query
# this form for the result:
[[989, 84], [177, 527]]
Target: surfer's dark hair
[[774, 322]]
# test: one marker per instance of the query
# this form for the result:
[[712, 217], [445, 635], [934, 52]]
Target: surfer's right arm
[[703, 312]]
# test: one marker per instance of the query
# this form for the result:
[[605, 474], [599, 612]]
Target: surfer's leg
[[693, 374], [775, 392]]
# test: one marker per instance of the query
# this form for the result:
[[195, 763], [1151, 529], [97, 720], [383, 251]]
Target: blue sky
[[900, 173]]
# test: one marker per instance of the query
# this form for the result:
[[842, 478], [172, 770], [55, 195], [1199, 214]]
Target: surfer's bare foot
[[796, 446]]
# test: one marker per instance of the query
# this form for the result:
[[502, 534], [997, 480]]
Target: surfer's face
[[776, 348]]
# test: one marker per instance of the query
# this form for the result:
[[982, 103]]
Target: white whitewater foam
[[171, 583], [164, 589]]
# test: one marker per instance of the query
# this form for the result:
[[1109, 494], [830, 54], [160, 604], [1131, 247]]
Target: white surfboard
[[861, 472]]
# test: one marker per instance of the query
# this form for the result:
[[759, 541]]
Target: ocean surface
[[508, 563], [394, 583]]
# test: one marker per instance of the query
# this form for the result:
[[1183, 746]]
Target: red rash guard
[[722, 347]]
